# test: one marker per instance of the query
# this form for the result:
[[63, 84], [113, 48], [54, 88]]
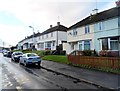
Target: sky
[[17, 15]]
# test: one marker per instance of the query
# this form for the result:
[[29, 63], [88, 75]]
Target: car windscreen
[[18, 53], [31, 55]]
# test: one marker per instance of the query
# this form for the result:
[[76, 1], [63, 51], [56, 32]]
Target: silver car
[[30, 59], [16, 56]]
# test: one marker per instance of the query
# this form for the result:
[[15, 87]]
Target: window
[[42, 36], [87, 29], [46, 35], [52, 34], [86, 45], [53, 43], [80, 45], [100, 25], [105, 44], [41, 45], [119, 22], [72, 46], [114, 44], [39, 37], [74, 32], [48, 45]]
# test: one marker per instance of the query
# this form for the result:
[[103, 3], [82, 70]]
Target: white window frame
[[72, 46], [110, 42], [87, 29], [89, 42], [52, 34], [100, 26], [75, 32]]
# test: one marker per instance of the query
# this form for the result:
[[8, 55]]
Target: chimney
[[117, 3], [95, 11], [50, 26], [58, 23]]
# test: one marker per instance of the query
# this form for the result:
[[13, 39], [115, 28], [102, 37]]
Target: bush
[[103, 53], [87, 52], [47, 52], [108, 53]]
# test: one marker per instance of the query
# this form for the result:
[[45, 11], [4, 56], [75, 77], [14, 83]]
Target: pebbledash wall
[[100, 31], [109, 32]]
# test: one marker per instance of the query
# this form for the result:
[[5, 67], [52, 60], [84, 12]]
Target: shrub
[[103, 53], [87, 52], [47, 52], [112, 53], [108, 53]]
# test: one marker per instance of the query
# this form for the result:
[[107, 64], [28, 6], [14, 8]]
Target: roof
[[107, 14], [56, 28], [28, 37]]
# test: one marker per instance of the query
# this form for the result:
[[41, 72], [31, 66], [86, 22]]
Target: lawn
[[56, 58]]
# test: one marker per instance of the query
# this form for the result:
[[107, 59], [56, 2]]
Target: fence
[[106, 62]]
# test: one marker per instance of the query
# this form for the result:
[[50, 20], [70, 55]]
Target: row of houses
[[47, 40], [99, 31]]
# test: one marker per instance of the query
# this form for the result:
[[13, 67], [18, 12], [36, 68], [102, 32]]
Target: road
[[18, 77]]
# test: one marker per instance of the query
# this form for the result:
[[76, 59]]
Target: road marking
[[19, 88]]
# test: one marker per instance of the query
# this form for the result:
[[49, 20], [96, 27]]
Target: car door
[[22, 58]]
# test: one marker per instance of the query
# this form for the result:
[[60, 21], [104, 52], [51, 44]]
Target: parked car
[[9, 54], [30, 59], [5, 53], [16, 56]]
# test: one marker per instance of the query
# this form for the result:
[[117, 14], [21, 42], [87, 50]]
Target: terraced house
[[99, 31], [47, 40]]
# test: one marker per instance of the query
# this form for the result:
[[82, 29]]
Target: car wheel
[[25, 64], [38, 65], [20, 63], [11, 59]]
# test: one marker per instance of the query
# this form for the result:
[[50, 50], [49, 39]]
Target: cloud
[[41, 14], [11, 34]]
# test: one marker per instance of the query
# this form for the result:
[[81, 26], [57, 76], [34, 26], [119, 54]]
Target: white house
[[52, 37], [47, 40], [28, 42]]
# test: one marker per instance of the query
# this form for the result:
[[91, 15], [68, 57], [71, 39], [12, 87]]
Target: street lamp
[[33, 35]]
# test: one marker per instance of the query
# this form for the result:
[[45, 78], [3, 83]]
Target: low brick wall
[[106, 62]]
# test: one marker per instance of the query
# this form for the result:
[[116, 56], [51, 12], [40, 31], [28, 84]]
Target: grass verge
[[56, 58]]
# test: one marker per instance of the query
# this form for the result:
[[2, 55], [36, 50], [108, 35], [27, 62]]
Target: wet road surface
[[18, 77]]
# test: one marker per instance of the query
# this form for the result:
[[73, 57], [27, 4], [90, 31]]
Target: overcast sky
[[17, 15]]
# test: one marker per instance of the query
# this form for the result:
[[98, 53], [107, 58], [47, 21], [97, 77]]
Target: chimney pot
[[95, 11], [50, 26], [118, 3], [58, 23]]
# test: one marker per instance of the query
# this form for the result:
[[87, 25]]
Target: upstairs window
[[39, 38], [52, 34], [100, 25], [87, 29], [46, 35], [74, 32], [42, 36]]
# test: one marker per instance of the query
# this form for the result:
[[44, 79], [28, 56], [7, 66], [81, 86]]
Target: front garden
[[86, 59]]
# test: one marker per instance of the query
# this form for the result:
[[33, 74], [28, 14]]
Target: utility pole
[[32, 37]]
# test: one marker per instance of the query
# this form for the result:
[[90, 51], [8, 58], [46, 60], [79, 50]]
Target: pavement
[[103, 79]]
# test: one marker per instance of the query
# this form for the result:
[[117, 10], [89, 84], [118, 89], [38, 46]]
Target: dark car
[[16, 56], [9, 54]]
